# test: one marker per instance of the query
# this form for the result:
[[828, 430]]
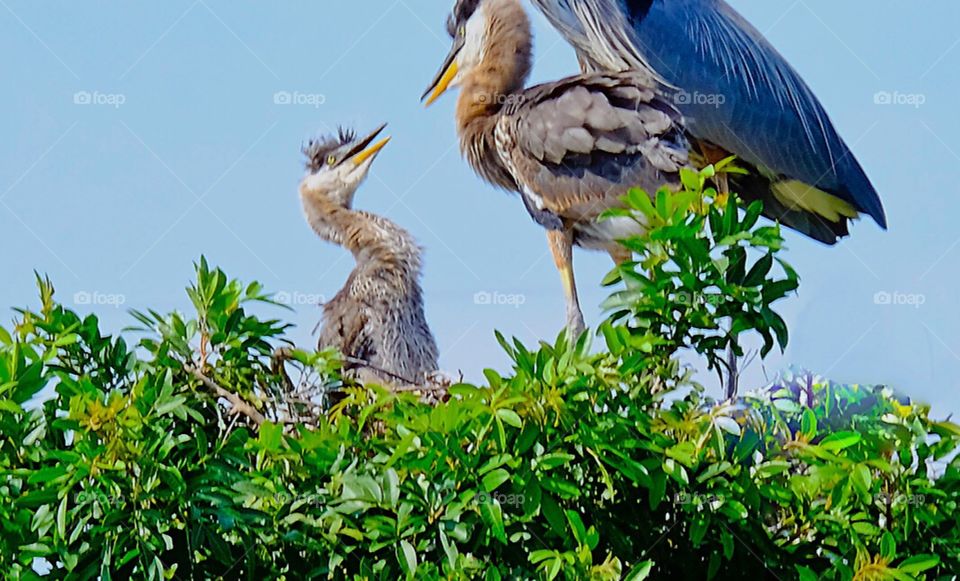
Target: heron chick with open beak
[[377, 319]]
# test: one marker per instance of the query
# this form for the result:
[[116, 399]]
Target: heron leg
[[723, 190], [733, 373], [561, 245], [713, 155], [620, 254]]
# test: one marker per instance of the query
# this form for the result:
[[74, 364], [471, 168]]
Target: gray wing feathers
[[580, 143], [594, 113]]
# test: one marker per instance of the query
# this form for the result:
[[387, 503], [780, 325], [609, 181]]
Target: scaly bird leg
[[733, 374], [561, 245]]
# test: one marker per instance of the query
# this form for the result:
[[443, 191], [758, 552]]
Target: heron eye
[[332, 160], [462, 31]]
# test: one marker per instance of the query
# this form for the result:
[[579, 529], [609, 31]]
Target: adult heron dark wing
[[737, 94]]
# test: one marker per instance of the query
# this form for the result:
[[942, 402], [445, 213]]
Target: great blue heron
[[571, 148], [738, 96], [376, 320]]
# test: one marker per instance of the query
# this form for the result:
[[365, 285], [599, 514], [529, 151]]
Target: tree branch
[[239, 405]]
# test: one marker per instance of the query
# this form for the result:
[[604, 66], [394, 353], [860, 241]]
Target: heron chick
[[571, 148], [376, 320]]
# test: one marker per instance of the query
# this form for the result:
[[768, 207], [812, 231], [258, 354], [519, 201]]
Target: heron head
[[338, 164], [467, 27]]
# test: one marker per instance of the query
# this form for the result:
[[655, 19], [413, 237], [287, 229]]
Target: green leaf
[[839, 441], [62, 519], [408, 557], [492, 515], [577, 527], [554, 515], [510, 417], [492, 480], [698, 529], [759, 272], [640, 200], [640, 571], [47, 475], [553, 460], [561, 487], [271, 435], [808, 424], [684, 452], [919, 564], [888, 546]]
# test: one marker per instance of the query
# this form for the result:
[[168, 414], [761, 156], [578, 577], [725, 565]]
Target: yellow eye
[[332, 160], [462, 31]]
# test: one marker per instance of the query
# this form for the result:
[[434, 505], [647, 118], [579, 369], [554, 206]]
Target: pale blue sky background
[[119, 200]]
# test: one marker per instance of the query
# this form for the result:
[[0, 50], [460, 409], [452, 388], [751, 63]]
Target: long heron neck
[[497, 80], [371, 239], [504, 66]]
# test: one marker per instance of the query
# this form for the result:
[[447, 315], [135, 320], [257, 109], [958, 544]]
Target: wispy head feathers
[[317, 150]]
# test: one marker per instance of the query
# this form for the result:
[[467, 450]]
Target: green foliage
[[697, 284], [573, 466]]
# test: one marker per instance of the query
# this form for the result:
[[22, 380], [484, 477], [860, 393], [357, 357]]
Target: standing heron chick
[[571, 148], [376, 320]]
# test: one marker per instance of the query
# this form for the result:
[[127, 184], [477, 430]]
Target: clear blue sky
[[183, 151]]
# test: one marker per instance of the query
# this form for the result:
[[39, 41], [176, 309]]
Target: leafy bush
[[195, 455]]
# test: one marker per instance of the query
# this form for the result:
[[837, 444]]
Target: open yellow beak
[[443, 83], [370, 151]]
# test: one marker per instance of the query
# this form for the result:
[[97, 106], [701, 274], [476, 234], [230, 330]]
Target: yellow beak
[[444, 83], [370, 151]]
